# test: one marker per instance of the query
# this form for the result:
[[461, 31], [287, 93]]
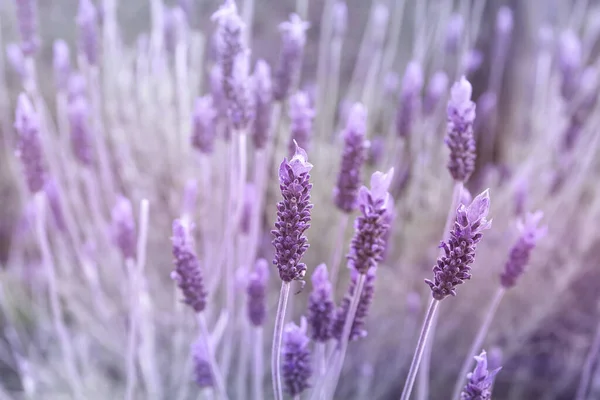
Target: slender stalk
[[322, 81], [277, 339], [414, 365], [65, 342], [586, 375], [477, 343], [131, 375], [205, 335], [259, 364], [320, 361], [343, 345], [339, 245]]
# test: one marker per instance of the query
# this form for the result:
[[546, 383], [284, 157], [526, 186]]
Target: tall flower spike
[[454, 266], [438, 84], [239, 103], [520, 252], [293, 39], [81, 141], [301, 116], [293, 216], [263, 104], [353, 157], [410, 99], [358, 330], [187, 273], [87, 19], [62, 64], [123, 227], [480, 381], [368, 244], [29, 148], [321, 307], [257, 293], [454, 33], [297, 365], [27, 24], [203, 125], [16, 59], [459, 134], [202, 370]]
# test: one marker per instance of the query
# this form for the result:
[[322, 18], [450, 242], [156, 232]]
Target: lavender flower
[[123, 227], [459, 135], [293, 38], [61, 64], [480, 381], [29, 148], [53, 194], [293, 216], [301, 116], [519, 254], [321, 307], [454, 266], [203, 125], [358, 330], [353, 157], [239, 104], [454, 33], [263, 104], [376, 151], [187, 273], [438, 84], [202, 369], [77, 86], [81, 141], [297, 365], [16, 59], [216, 91], [339, 20], [248, 208], [570, 55], [257, 293], [472, 61], [412, 84], [175, 28], [87, 19], [27, 24], [368, 245]]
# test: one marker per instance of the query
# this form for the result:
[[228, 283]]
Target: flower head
[[293, 39], [263, 104], [410, 99], [293, 216], [297, 364], [202, 369], [459, 135], [480, 381], [61, 64], [321, 307], [257, 292], [301, 117], [454, 266], [29, 148], [204, 125], [87, 19], [437, 87], [123, 227], [81, 140], [27, 24]]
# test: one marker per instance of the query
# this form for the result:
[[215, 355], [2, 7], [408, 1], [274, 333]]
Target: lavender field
[[251, 199]]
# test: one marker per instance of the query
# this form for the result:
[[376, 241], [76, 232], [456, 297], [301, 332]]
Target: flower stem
[[131, 374], [414, 365], [259, 367], [205, 335], [587, 367], [277, 338], [476, 345], [339, 244]]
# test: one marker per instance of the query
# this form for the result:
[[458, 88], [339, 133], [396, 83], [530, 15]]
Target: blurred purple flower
[[87, 19], [28, 25], [81, 140], [339, 20], [263, 104], [62, 64], [410, 99], [301, 116], [202, 369], [454, 32], [54, 201], [257, 292], [297, 364], [123, 227], [204, 125], [293, 39], [248, 208], [29, 148], [321, 307], [437, 87], [459, 134], [16, 59], [480, 381]]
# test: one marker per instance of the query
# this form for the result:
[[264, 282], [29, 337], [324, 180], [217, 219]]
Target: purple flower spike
[[504, 20], [454, 267], [16, 59], [27, 24], [187, 273], [257, 293], [321, 307], [297, 364], [570, 56], [202, 370], [62, 64], [77, 86], [454, 33], [81, 141], [368, 244], [438, 84], [354, 155], [519, 254], [203, 125], [301, 116], [293, 39], [459, 134], [123, 227], [293, 217], [248, 208], [410, 100], [480, 381], [358, 330], [87, 19], [339, 21], [239, 102], [472, 62], [29, 148], [52, 191], [263, 104]]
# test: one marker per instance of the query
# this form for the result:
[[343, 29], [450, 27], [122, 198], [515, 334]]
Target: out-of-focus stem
[[248, 18], [205, 335], [131, 375], [183, 93], [333, 90], [259, 364], [477, 342], [343, 345], [57, 316], [302, 9], [338, 249], [414, 365], [320, 362], [586, 374], [322, 81], [277, 339]]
